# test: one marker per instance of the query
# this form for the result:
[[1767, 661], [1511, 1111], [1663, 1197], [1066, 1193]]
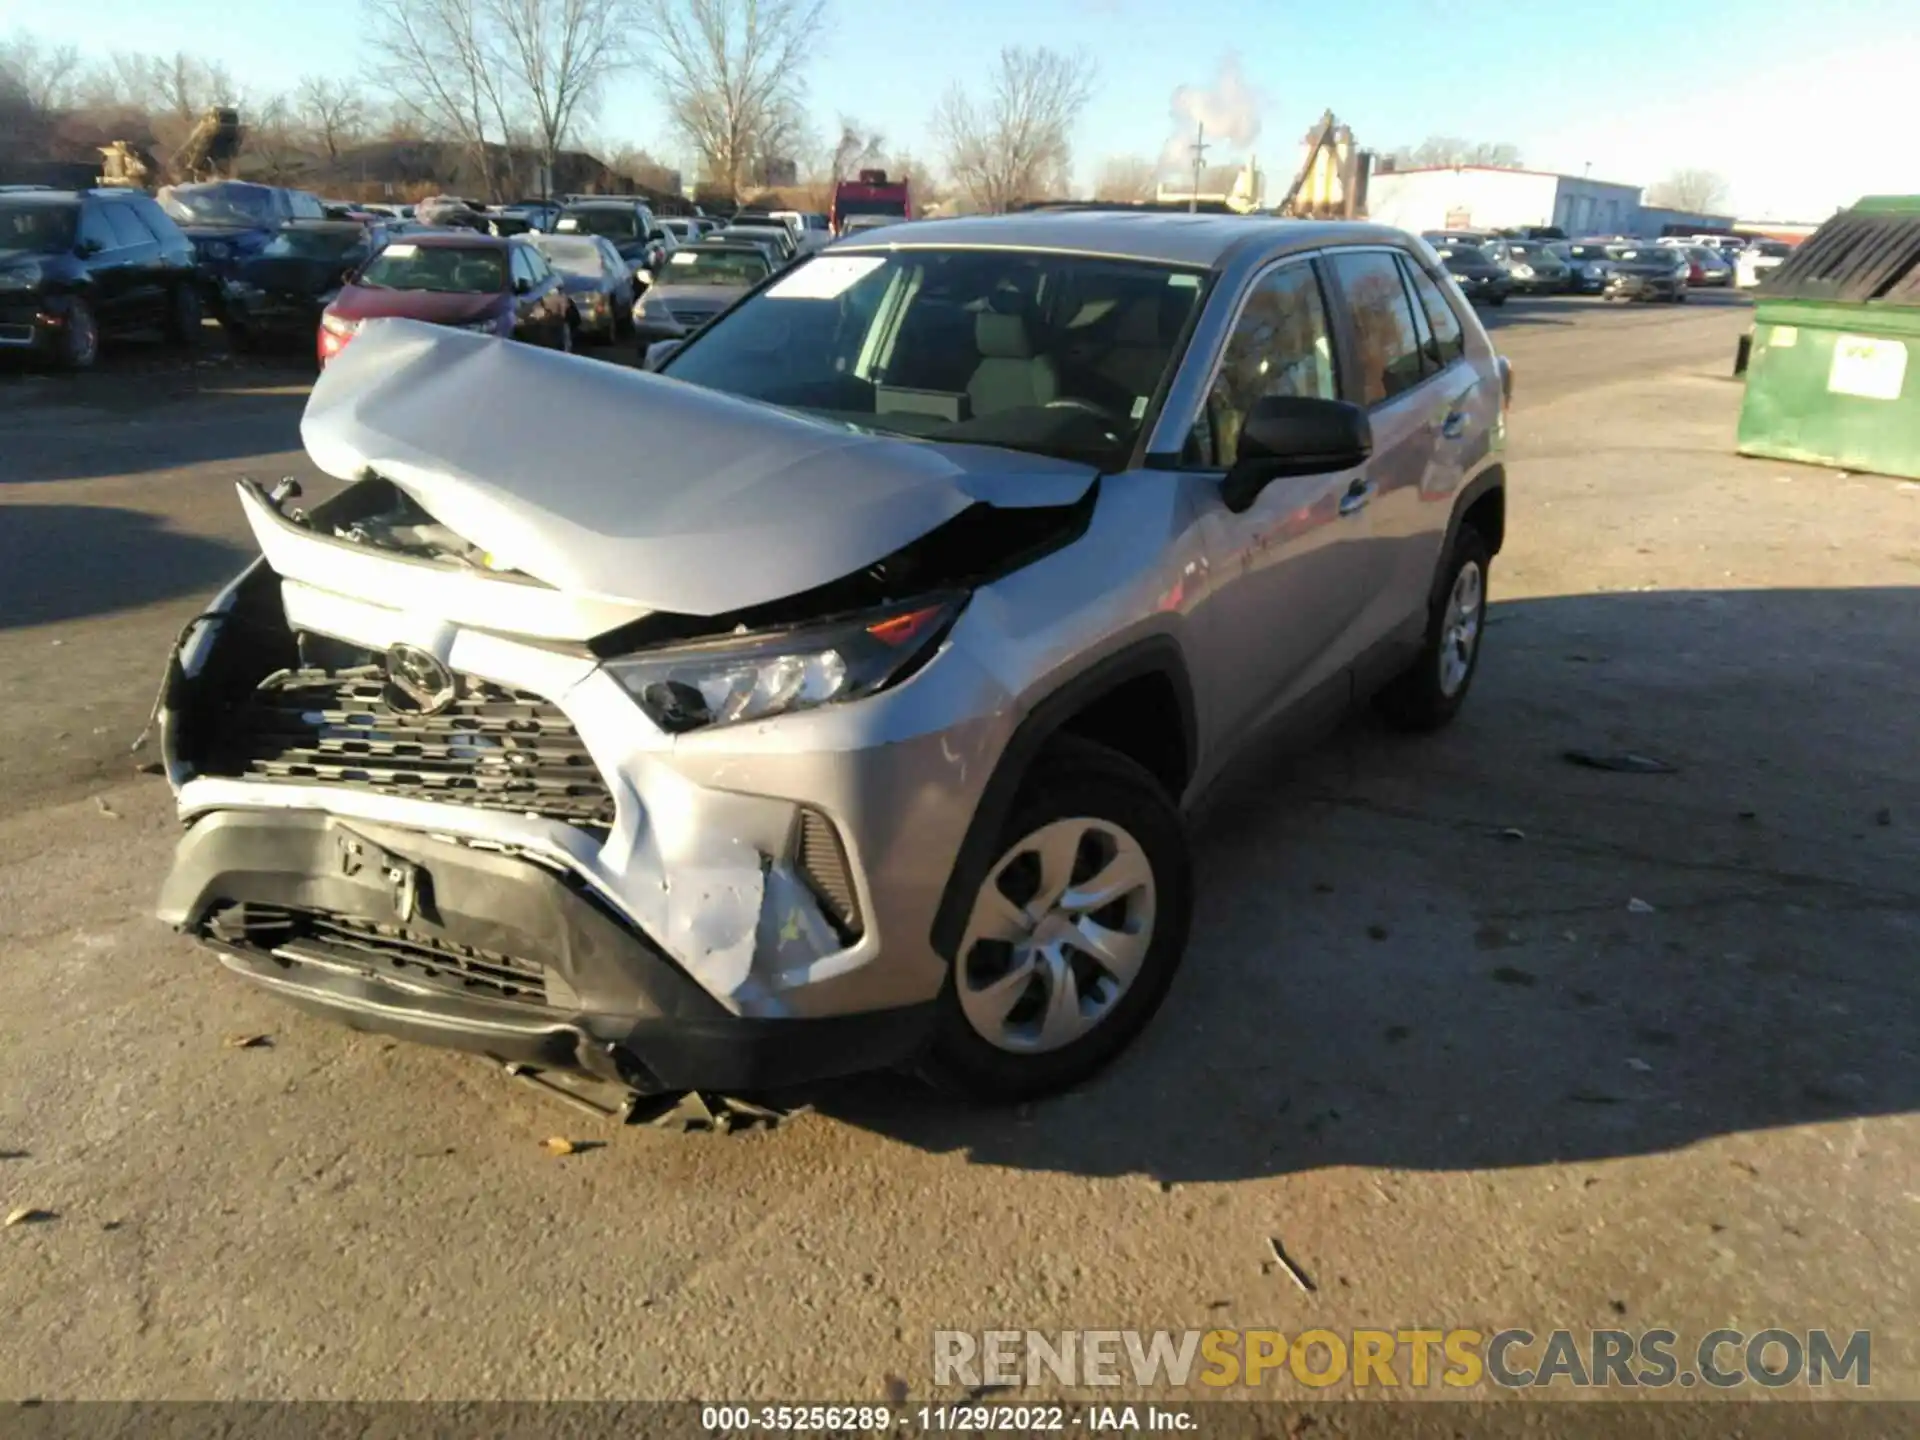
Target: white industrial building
[[1483, 197]]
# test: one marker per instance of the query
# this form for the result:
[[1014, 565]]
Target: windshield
[[1587, 252], [219, 204], [579, 258], [1772, 249], [896, 208], [608, 220], [314, 244], [1463, 255], [1648, 254], [715, 267], [449, 269], [37, 228], [1056, 354]]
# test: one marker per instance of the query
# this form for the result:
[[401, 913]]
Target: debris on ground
[[1514, 975], [559, 1145], [1637, 906], [1883, 816], [1593, 1097], [1512, 832], [1634, 1062], [249, 1042], [896, 1390], [105, 809], [1623, 762], [26, 1215], [698, 1112], [1280, 1258], [1377, 932]]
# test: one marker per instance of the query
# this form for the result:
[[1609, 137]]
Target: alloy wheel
[[1460, 628], [1059, 931]]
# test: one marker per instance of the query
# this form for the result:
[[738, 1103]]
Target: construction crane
[[1332, 181], [211, 147]]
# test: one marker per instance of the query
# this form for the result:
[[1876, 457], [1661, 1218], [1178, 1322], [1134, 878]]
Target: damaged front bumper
[[399, 933]]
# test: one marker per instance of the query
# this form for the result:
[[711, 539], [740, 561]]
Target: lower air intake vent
[[822, 862]]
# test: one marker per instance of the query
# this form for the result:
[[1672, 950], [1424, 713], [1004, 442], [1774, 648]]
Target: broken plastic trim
[[981, 544]]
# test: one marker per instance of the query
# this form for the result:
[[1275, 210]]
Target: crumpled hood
[[610, 482]]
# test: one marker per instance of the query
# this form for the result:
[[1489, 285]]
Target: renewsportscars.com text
[[1403, 1359]]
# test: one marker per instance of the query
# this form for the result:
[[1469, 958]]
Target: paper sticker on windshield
[[1183, 282], [685, 257], [1871, 369], [1785, 337], [827, 278], [400, 250]]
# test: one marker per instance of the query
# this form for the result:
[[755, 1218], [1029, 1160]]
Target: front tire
[[79, 345], [1429, 692], [1076, 930]]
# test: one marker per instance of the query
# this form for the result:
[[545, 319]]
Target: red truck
[[872, 194]]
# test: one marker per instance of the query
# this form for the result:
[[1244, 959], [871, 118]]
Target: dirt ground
[[1482, 1037]]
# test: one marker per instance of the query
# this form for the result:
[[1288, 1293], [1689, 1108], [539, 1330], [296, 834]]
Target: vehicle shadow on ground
[[1506, 317], [1424, 954], [70, 562], [134, 427]]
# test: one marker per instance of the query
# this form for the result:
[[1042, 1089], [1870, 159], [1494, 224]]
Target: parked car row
[[1489, 268]]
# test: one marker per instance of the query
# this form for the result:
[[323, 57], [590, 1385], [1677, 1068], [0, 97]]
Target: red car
[[473, 282]]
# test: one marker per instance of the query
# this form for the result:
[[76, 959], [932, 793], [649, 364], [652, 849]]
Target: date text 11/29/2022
[[939, 1419]]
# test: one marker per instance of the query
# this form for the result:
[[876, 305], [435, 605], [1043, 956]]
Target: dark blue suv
[[75, 264], [231, 221]]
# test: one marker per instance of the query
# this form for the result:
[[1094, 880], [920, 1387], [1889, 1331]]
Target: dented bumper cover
[[625, 1012]]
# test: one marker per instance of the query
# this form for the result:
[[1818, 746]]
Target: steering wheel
[[1099, 412]]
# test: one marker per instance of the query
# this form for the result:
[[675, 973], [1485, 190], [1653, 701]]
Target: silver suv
[[829, 700]]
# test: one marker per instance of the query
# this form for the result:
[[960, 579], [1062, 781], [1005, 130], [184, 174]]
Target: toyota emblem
[[417, 683]]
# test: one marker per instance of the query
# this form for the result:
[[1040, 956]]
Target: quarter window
[[1387, 340], [1445, 344], [1280, 345]]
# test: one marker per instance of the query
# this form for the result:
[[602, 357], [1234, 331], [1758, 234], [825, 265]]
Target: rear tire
[[1118, 873], [1430, 691]]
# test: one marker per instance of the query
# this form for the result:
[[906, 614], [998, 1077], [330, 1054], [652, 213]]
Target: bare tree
[[273, 136], [1127, 178], [1442, 150], [730, 73], [561, 53], [441, 59], [332, 111], [1700, 191], [45, 76], [1018, 142], [859, 148]]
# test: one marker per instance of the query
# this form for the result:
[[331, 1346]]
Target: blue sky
[[1801, 106]]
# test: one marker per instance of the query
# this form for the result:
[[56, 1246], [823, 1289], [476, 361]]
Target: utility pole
[[1199, 166]]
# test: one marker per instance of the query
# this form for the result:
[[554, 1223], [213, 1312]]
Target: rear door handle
[[1455, 425], [1356, 498]]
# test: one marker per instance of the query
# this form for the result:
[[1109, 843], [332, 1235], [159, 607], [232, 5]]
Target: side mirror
[[658, 352], [1295, 435], [87, 249], [522, 286]]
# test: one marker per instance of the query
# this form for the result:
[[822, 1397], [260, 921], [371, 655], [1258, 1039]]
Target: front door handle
[[1356, 498], [1455, 425]]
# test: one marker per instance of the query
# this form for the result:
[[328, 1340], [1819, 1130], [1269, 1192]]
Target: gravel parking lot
[[1483, 1037]]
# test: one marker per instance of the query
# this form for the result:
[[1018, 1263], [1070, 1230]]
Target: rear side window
[[155, 219], [1444, 341], [1389, 359], [128, 232]]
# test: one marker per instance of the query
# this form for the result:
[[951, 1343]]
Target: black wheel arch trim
[[1494, 477], [1155, 655]]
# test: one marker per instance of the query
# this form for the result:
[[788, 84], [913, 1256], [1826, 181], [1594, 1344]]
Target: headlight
[[755, 677], [1523, 272], [339, 325], [20, 277]]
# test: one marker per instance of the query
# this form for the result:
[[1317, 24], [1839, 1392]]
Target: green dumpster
[[1833, 369]]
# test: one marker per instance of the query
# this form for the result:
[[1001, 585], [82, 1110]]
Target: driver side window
[[1280, 345]]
